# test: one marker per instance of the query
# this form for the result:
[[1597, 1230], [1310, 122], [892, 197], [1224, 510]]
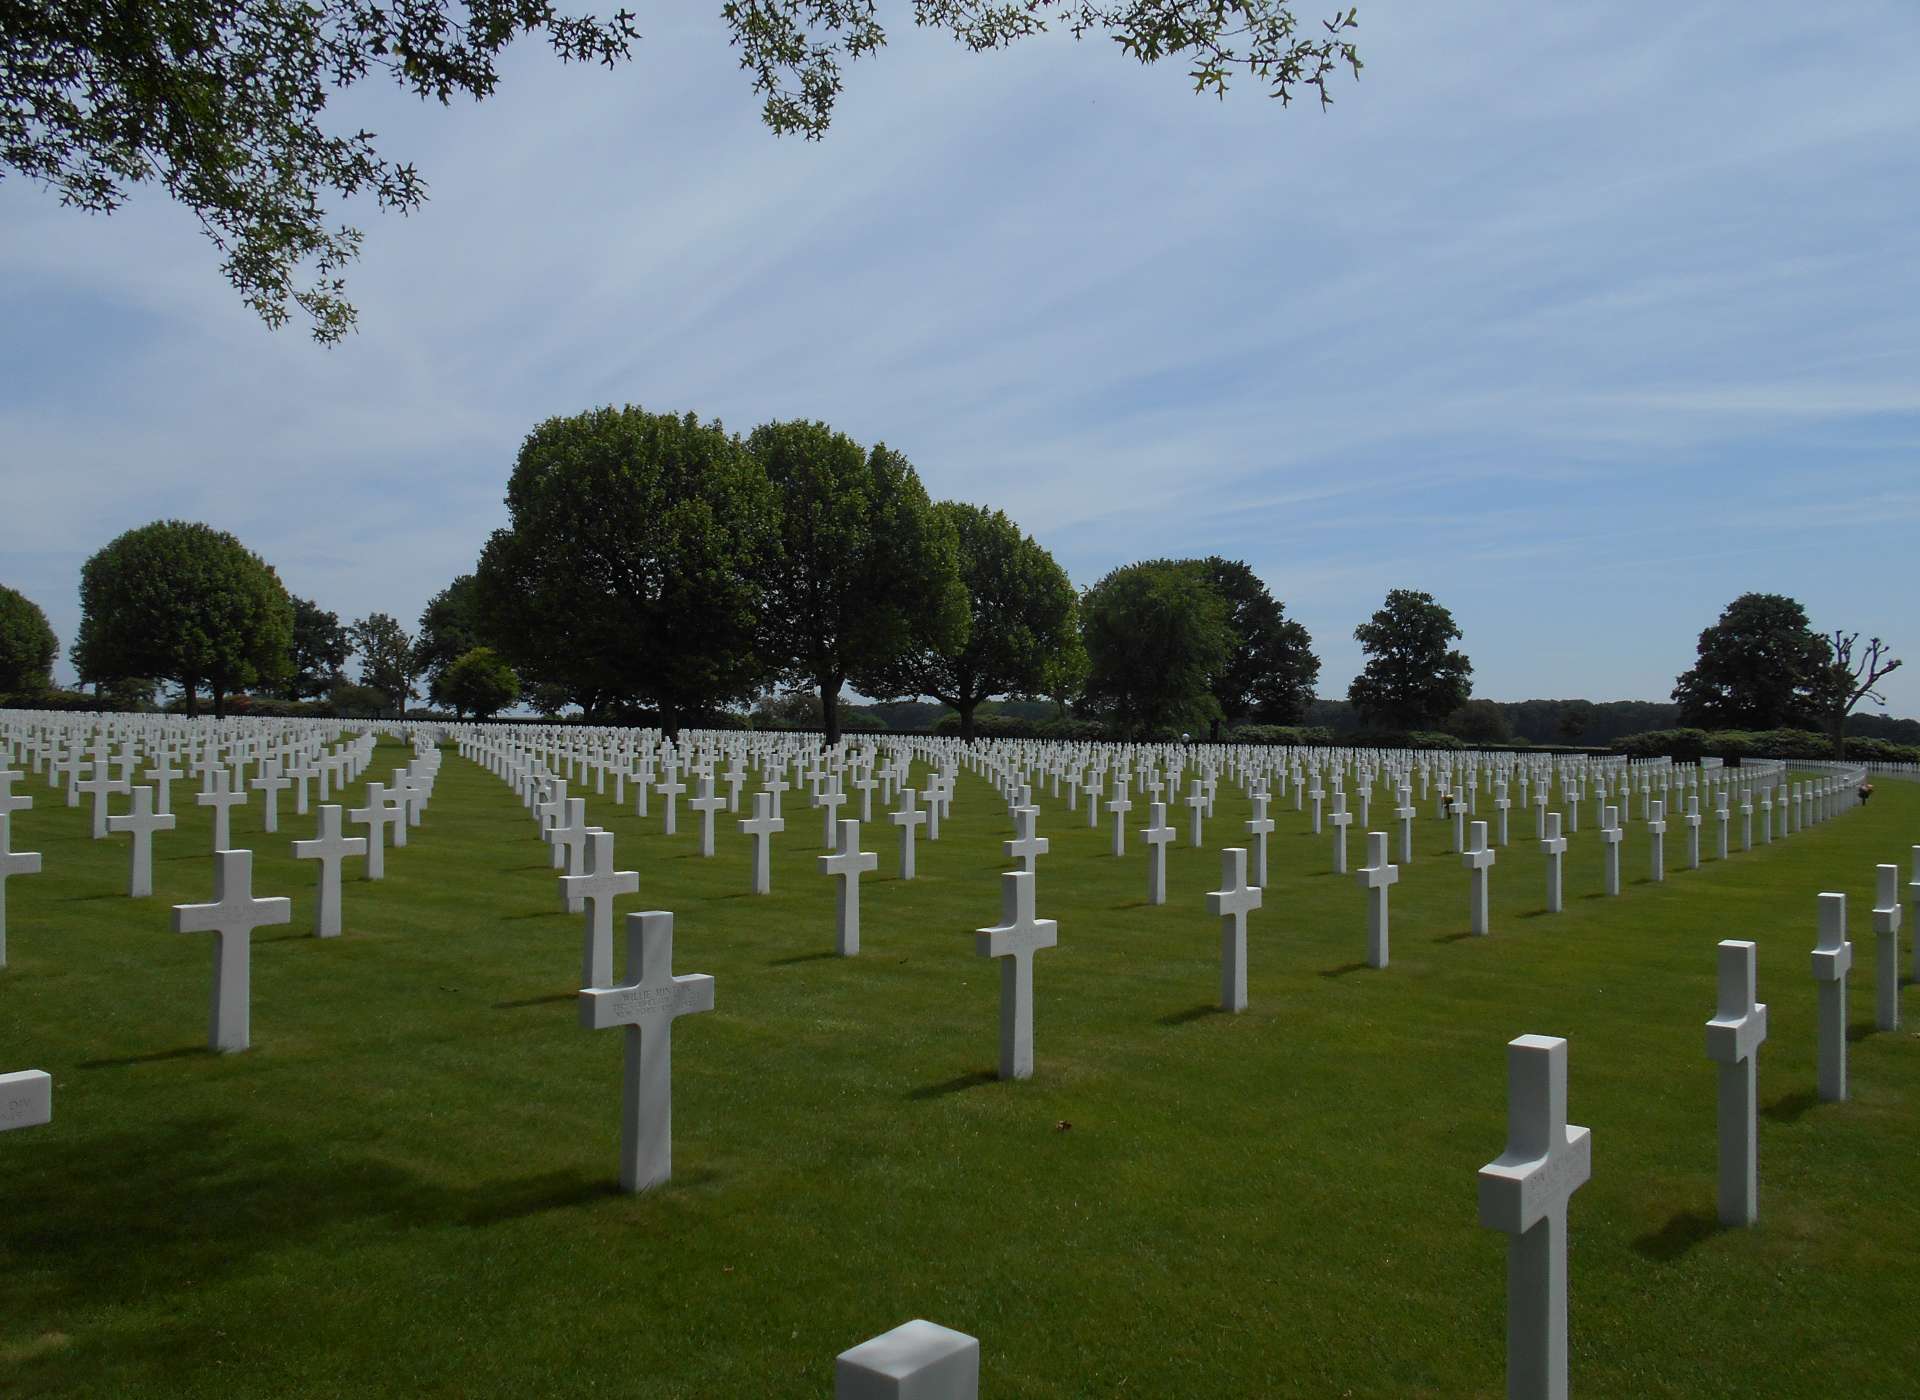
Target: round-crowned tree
[[480, 683], [27, 645], [186, 603]]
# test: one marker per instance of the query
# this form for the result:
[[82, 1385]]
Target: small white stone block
[[26, 1100], [917, 1360]]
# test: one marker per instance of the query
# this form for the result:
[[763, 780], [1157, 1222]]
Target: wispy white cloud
[[1580, 319]]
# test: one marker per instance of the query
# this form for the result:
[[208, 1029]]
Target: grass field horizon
[[409, 1184]]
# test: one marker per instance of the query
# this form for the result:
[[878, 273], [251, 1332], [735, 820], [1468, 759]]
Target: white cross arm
[[601, 1007]]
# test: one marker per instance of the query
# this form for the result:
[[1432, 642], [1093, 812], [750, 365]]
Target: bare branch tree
[[1855, 679]]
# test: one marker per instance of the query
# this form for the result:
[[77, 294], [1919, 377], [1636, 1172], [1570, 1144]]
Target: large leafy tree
[[223, 102], [1021, 608], [1271, 670], [450, 627], [1411, 679], [27, 645], [630, 571], [865, 576], [1761, 666], [186, 603], [479, 683], [386, 658], [1156, 634], [321, 647]]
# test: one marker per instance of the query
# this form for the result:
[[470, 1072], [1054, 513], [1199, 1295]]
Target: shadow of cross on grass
[[1681, 1233], [205, 1202]]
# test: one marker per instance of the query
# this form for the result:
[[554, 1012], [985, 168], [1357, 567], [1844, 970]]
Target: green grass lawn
[[408, 1185]]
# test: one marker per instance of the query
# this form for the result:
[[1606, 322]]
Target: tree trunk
[[193, 698], [830, 707], [966, 710], [1837, 731], [1213, 730]]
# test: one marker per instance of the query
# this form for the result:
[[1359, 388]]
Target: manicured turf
[[407, 1186]]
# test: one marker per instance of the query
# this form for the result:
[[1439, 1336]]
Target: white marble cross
[[1610, 837], [1524, 1193], [1554, 847], [1197, 804], [12, 862], [1477, 859], [1656, 825], [762, 826], [1157, 836], [231, 919], [1832, 958], [1377, 878], [100, 787], [569, 838], [161, 774], [909, 818], [1016, 938], [1692, 820], [706, 804], [222, 798], [594, 892], [1502, 804], [1340, 820], [1458, 811], [1260, 827], [1404, 815], [1913, 898], [1886, 933], [1026, 847], [1734, 1035], [830, 802], [671, 788], [647, 1007], [329, 848], [142, 822], [1231, 904], [374, 817], [1119, 804], [849, 862], [270, 782], [1318, 794]]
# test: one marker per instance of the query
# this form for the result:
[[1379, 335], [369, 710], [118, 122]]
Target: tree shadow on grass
[[1192, 1013], [1861, 1030], [533, 914], [1534, 914], [82, 898], [1343, 969], [1136, 904], [973, 1079], [801, 958], [152, 1057], [1459, 937], [1686, 1229], [551, 999], [1791, 1108]]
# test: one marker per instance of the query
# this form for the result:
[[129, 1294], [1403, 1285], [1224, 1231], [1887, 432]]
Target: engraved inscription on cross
[[647, 1008]]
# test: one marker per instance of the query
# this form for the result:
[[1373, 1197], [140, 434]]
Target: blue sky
[[1583, 319]]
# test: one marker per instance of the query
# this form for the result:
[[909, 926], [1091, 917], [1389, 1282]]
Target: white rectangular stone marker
[[26, 1099], [1734, 1035], [1524, 1192], [231, 919], [1231, 904], [647, 1008], [1832, 957], [917, 1360], [1015, 940]]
